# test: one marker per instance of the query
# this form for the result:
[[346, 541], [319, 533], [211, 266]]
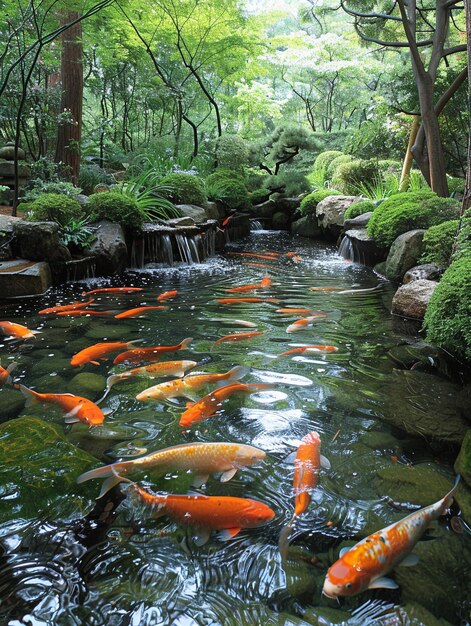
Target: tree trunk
[[466, 204], [69, 133], [407, 165]]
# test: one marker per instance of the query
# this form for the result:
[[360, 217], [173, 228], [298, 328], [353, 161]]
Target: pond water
[[110, 563]]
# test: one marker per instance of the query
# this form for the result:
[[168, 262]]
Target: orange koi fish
[[227, 220], [307, 463], [309, 350], [223, 513], [99, 351], [237, 337], [295, 311], [257, 256], [187, 386], [237, 300], [154, 370], [265, 282], [84, 313], [65, 307], [76, 408], [5, 373], [10, 329], [209, 404], [258, 265], [365, 564], [232, 321], [139, 311], [137, 355], [112, 290], [304, 322], [291, 254], [272, 253], [167, 294], [202, 459]]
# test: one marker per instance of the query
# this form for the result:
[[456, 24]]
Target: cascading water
[[346, 249], [184, 249], [80, 269], [255, 225]]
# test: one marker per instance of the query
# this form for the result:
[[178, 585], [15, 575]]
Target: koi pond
[[389, 425]]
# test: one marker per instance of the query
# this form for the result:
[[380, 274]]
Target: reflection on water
[[118, 566]]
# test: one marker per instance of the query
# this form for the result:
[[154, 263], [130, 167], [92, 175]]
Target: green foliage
[[438, 243], [358, 208], [408, 211], [350, 176], [292, 182], [184, 189], [334, 164], [228, 187], [456, 185], [91, 175], [379, 188], [463, 241], [447, 320], [54, 207], [417, 182], [259, 195], [77, 233], [39, 187], [390, 167], [325, 159], [149, 195], [309, 203], [254, 179], [116, 207], [377, 138], [232, 152]]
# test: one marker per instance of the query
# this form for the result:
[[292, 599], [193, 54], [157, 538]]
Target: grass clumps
[[407, 211], [184, 189], [309, 203], [116, 207], [438, 243], [358, 208], [53, 207]]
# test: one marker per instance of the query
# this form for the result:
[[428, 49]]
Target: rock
[[463, 462], [6, 235], [429, 271], [214, 210], [359, 247], [109, 249], [82, 199], [330, 212], [361, 221], [101, 188], [87, 384], [11, 403], [464, 402], [181, 221], [380, 268], [197, 213], [412, 614], [404, 254], [419, 484], [411, 300], [119, 176], [280, 221], [306, 227], [266, 209], [38, 472], [287, 205], [20, 278], [39, 241]]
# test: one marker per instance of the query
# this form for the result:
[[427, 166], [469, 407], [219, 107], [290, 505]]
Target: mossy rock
[[38, 472], [49, 365], [321, 616], [420, 484], [413, 614], [87, 384], [11, 403], [463, 462]]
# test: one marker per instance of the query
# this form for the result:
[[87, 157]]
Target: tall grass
[[149, 194]]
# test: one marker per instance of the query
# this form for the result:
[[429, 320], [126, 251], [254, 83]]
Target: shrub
[[447, 320], [40, 187], [325, 159], [455, 184], [390, 167], [463, 243], [407, 211], [184, 189], [293, 182], [254, 179], [53, 207], [232, 152], [116, 207], [438, 243], [259, 195], [91, 175], [358, 208], [350, 176], [309, 203], [228, 187], [335, 163]]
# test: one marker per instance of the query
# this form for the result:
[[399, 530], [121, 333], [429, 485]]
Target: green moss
[[358, 208], [54, 207], [447, 320], [335, 163], [350, 176], [310, 202], [228, 187], [324, 159], [438, 243], [116, 207], [184, 189], [463, 244], [407, 211]]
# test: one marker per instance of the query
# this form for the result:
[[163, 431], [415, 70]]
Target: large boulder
[[429, 271], [20, 278], [306, 227], [266, 209], [330, 213], [198, 213], [280, 221], [359, 247], [404, 254], [7, 224], [109, 249], [411, 300], [39, 241], [361, 221]]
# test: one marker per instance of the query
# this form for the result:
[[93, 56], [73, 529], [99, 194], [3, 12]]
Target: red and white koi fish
[[239, 300], [365, 565], [185, 387], [304, 322], [223, 513], [10, 329], [238, 337], [138, 355], [66, 307], [154, 370], [5, 373], [76, 408], [140, 310], [99, 351], [167, 294], [309, 350], [209, 404], [112, 290], [202, 459]]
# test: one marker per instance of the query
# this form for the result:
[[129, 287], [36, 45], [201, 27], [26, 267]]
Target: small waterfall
[[255, 225], [167, 250], [185, 250], [80, 269], [346, 248], [209, 243]]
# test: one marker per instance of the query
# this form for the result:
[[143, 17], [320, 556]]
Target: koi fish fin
[[36, 332], [409, 561], [29, 394], [344, 551], [448, 499], [110, 381], [201, 536], [134, 342], [107, 411], [185, 343], [190, 404], [11, 367], [70, 419], [285, 536], [109, 483], [95, 362], [227, 534], [200, 479], [383, 583], [290, 458], [236, 373], [325, 463], [226, 476]]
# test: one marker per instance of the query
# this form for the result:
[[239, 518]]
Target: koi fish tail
[[109, 473], [448, 499], [185, 343], [285, 535], [134, 342], [31, 396], [110, 381], [9, 369], [236, 373]]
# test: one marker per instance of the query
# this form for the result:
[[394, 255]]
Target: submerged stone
[[418, 484], [11, 403], [87, 384], [38, 471], [413, 614]]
